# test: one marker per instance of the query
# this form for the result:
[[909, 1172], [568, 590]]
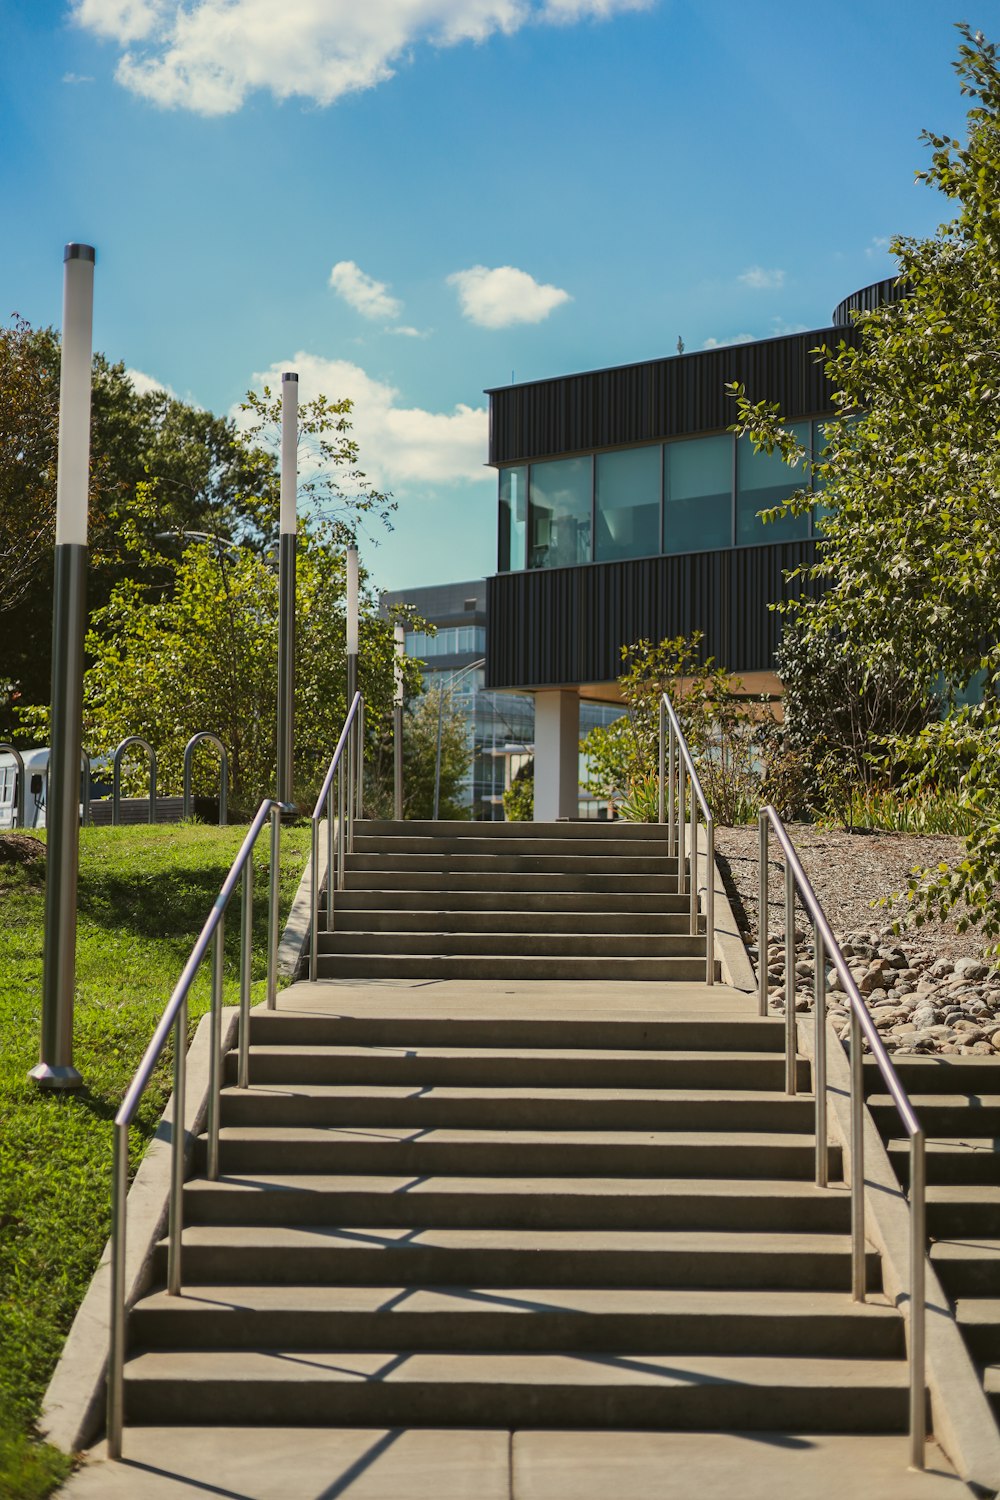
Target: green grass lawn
[[144, 894]]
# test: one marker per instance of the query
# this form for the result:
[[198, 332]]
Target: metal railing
[[22, 795], [116, 777], [827, 949], [680, 796], [189, 749], [174, 1020], [346, 773]]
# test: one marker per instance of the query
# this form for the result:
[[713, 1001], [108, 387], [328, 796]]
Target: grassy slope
[[143, 896]]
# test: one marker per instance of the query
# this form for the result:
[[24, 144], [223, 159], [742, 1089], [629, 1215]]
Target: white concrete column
[[557, 755]]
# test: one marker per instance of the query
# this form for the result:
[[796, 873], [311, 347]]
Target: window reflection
[[763, 480], [627, 504], [698, 491], [561, 494], [513, 518]]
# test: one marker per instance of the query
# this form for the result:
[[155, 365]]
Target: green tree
[[420, 739]]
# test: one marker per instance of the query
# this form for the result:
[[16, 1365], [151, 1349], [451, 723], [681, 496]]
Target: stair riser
[[594, 906], [939, 1075], [717, 1073], [424, 1158], [511, 945], [241, 1108], [543, 921], [983, 1342], [327, 1263], [634, 833], [966, 1221], [696, 1034], [824, 1336], [426, 1210], [496, 880], [968, 1278], [358, 966], [578, 866], [960, 1169], [491, 847], [382, 1404], [951, 1122]]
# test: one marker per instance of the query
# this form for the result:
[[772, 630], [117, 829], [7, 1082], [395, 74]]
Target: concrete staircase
[[957, 1100], [511, 901], [516, 1213]]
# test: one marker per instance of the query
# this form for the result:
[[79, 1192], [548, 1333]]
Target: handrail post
[[693, 857], [246, 960], [273, 904], [116, 1354], [314, 902], [671, 799], [710, 903], [331, 854], [341, 820], [762, 917], [858, 1277], [791, 1082], [819, 1059], [680, 827], [662, 763], [918, 1300], [215, 1055], [361, 760], [175, 1228]]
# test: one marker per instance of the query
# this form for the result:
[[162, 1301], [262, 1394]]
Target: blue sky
[[411, 200]]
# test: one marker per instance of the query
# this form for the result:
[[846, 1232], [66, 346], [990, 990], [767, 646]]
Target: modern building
[[501, 725], [626, 510]]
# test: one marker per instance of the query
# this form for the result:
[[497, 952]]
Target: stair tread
[[966, 1249], [963, 1193], [515, 1093], [409, 1134], [639, 1241], [342, 1367], [737, 1188], [978, 1311], [941, 1101], [430, 1053], [459, 1301]]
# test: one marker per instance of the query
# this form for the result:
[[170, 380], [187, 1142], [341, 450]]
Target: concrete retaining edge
[[74, 1405], [962, 1419], [730, 950], [295, 938]]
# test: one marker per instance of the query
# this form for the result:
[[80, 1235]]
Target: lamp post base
[[63, 1079]]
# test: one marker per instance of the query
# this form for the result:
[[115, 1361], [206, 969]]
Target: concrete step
[[542, 920], [518, 1390], [506, 1153], [597, 905], [968, 1268], [942, 1115], [492, 879], [428, 1319], [601, 847], [635, 833], [960, 1161], [559, 1032], [979, 1320], [518, 1202], [526, 1108], [955, 1211], [577, 866], [480, 944], [938, 1074], [494, 1067], [991, 1385], [399, 966]]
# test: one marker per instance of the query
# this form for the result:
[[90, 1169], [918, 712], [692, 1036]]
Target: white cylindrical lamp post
[[55, 1069], [287, 528], [399, 635]]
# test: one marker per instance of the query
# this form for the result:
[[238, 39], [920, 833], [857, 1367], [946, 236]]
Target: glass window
[[763, 480], [561, 493], [513, 519], [818, 483], [698, 495], [627, 514]]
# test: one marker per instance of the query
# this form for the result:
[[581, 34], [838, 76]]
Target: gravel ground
[[929, 989]]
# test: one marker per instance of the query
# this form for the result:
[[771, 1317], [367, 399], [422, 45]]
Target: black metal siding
[[660, 399], [567, 625]]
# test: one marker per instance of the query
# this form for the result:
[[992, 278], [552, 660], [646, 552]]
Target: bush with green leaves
[[519, 797]]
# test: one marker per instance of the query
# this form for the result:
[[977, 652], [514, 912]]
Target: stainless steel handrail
[[189, 749], [116, 777], [346, 769], [174, 1019], [21, 803], [675, 760], [826, 948]]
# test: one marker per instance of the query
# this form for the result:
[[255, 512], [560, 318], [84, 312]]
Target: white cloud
[[362, 292], [759, 280], [77, 78], [146, 383], [737, 338], [406, 332], [399, 445], [504, 295], [208, 55], [879, 246]]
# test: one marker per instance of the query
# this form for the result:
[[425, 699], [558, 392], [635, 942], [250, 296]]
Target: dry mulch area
[[20, 849], [847, 871]]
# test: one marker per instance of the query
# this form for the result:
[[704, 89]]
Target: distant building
[[501, 725]]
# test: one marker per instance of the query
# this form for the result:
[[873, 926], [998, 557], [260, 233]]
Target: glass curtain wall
[[698, 495], [763, 480], [561, 498], [627, 504]]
